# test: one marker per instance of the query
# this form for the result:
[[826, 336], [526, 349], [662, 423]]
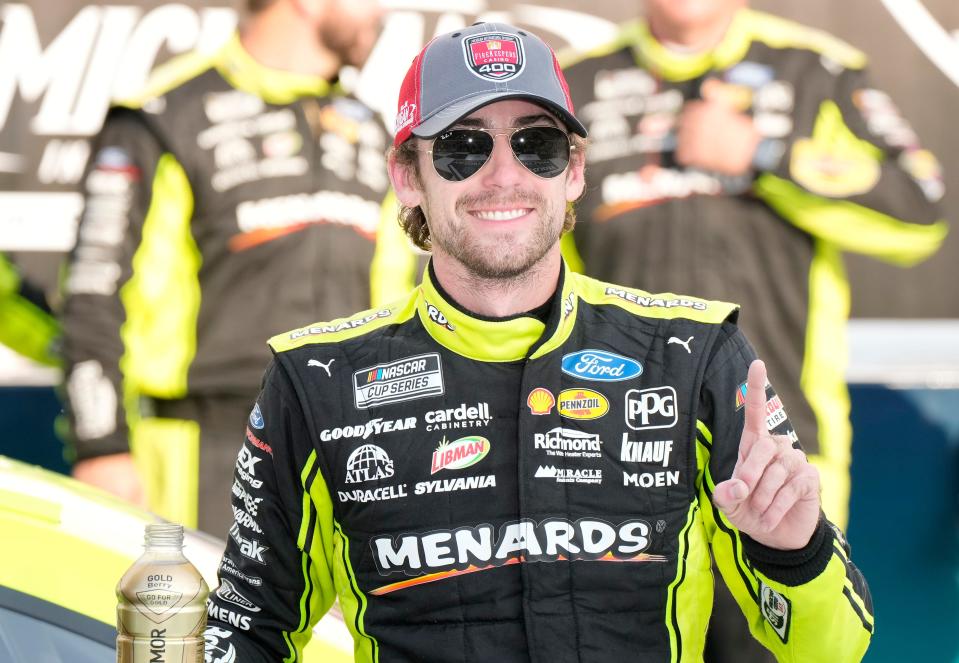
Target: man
[[519, 463], [237, 198], [736, 155]]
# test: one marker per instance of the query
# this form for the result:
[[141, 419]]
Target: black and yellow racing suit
[[228, 203], [27, 326], [514, 490], [837, 170]]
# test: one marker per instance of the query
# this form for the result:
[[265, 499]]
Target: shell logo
[[582, 404], [541, 401]]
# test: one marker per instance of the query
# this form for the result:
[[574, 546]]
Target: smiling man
[[515, 463]]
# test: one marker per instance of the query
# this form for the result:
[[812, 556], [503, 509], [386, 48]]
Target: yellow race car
[[63, 547]]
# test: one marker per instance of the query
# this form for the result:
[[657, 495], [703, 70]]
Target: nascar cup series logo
[[494, 56]]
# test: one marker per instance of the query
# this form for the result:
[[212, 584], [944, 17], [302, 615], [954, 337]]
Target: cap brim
[[442, 120]]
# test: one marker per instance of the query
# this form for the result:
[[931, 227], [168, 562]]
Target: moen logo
[[651, 408], [582, 404], [459, 454], [600, 366], [447, 553]]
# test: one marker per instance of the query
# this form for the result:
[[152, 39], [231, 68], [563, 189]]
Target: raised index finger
[[756, 398]]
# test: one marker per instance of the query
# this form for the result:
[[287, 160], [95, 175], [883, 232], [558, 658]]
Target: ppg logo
[[651, 408]]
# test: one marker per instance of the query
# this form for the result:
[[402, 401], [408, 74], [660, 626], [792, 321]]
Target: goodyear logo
[[582, 404]]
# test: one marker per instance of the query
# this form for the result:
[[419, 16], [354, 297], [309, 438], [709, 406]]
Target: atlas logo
[[494, 56], [651, 408], [368, 463], [449, 552], [600, 366]]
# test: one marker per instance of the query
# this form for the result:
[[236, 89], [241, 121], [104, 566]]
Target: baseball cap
[[459, 72]]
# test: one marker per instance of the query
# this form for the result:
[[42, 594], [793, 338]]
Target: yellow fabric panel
[[162, 297], [849, 226], [574, 260], [28, 330], [236, 66], [686, 591], [393, 270], [779, 32], [166, 453], [823, 377]]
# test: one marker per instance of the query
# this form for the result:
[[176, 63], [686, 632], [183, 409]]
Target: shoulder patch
[[342, 329], [778, 32], [170, 75], [664, 305]]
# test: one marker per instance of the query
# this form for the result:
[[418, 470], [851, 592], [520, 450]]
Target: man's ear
[[405, 182], [575, 174]]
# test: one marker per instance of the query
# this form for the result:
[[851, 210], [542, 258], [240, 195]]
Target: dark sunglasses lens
[[543, 150], [458, 154]]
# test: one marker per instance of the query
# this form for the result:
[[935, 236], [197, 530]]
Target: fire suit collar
[[274, 86], [675, 66], [510, 339]]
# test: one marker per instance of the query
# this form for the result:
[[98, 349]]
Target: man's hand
[[115, 474], [773, 494], [714, 137]]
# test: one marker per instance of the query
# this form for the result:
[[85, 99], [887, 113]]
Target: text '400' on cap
[[459, 72]]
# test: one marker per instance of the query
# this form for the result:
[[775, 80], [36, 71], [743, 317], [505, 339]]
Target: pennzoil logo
[[459, 454], [582, 404], [540, 401], [494, 56]]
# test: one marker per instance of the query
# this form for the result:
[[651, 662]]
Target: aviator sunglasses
[[459, 153]]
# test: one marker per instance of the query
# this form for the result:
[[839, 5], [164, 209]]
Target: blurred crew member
[[519, 463], [736, 155], [236, 197]]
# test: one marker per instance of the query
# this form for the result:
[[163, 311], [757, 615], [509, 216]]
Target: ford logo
[[600, 366]]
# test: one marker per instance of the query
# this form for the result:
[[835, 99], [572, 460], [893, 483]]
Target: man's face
[[684, 14], [503, 219], [350, 27]]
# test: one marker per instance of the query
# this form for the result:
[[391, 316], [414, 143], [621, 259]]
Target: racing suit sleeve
[[122, 194], [276, 577], [806, 606], [854, 174], [28, 327]]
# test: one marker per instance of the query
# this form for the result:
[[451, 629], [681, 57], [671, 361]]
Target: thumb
[[729, 495]]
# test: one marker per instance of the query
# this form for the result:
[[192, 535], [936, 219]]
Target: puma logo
[[325, 367], [685, 344]]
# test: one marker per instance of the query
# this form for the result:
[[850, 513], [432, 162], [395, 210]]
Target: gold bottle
[[161, 603]]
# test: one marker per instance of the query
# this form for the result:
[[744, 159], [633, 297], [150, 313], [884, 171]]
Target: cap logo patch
[[405, 116], [494, 56]]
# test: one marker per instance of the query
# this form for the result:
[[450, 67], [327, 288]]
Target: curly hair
[[412, 219]]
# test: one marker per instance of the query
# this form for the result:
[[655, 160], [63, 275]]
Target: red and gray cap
[[460, 72]]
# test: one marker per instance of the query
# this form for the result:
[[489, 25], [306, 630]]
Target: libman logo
[[582, 404], [459, 454], [442, 554]]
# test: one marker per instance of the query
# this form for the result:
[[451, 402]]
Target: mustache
[[494, 199]]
